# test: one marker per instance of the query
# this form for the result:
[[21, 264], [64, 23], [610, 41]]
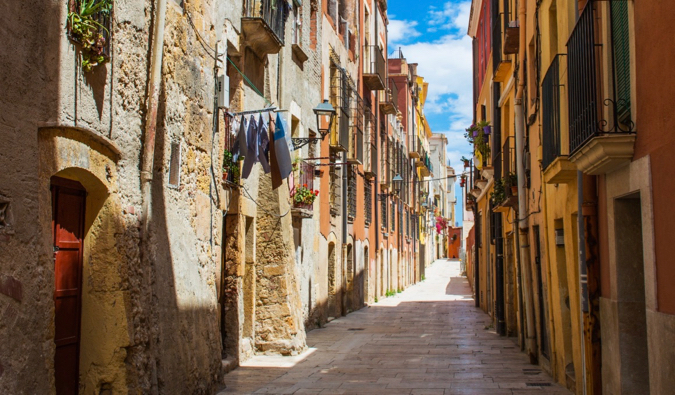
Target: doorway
[[68, 204], [633, 346]]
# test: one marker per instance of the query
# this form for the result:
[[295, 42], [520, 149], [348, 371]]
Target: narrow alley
[[429, 339]]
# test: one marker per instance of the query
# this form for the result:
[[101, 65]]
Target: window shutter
[[620, 33]]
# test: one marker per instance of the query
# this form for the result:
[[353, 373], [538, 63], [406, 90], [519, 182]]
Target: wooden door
[[68, 200]]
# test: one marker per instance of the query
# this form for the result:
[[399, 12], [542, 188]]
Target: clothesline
[[268, 109]]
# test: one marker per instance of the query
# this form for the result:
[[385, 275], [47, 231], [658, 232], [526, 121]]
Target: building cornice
[[474, 16]]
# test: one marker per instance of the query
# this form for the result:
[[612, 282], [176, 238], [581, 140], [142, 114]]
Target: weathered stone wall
[[149, 316]]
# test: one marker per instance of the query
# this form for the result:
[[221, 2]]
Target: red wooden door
[[68, 199]]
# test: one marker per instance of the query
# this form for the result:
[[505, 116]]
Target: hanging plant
[[85, 29], [479, 135]]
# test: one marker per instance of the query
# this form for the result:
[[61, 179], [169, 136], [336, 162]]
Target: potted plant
[[479, 135], [85, 29], [303, 197], [512, 182], [230, 168], [498, 195], [467, 162]]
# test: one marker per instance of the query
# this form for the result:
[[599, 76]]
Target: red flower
[[316, 192], [304, 185]]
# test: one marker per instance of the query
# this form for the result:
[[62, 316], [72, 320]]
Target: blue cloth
[[263, 144], [281, 149]]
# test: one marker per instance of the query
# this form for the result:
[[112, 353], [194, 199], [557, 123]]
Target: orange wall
[[655, 92]]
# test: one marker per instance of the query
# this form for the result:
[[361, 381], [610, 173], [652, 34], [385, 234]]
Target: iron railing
[[304, 175], [506, 158], [551, 138], [273, 12], [370, 164], [374, 67], [334, 186], [351, 192], [384, 205], [341, 98], [585, 108], [357, 120], [496, 36], [368, 198]]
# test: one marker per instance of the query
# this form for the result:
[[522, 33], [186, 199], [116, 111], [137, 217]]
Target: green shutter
[[620, 33]]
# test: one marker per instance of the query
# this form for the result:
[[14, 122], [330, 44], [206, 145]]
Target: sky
[[433, 34]]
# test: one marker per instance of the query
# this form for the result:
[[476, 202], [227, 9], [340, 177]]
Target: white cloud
[[401, 31], [451, 16]]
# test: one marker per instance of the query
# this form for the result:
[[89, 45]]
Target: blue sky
[[433, 34]]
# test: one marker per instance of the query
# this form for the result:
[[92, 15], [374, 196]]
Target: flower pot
[[226, 174], [514, 190], [304, 206]]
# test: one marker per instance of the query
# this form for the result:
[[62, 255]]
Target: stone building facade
[[132, 265]]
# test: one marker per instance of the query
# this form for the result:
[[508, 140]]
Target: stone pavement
[[430, 339]]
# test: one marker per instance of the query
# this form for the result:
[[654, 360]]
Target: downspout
[[148, 154], [522, 207], [583, 273]]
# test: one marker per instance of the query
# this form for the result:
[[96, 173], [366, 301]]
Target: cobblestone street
[[429, 339]]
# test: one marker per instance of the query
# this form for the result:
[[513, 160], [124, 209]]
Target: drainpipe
[[148, 154], [522, 207], [583, 275]]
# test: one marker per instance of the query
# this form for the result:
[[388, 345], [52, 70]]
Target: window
[[334, 187], [368, 198], [333, 11], [383, 211], [620, 33], [296, 26], [174, 165], [351, 191]]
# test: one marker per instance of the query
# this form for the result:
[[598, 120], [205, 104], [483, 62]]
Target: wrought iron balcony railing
[[551, 138], [356, 130], [506, 158], [584, 51], [264, 21], [374, 68]]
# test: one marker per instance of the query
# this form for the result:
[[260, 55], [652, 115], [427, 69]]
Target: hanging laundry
[[251, 156], [264, 142], [240, 144], [282, 149]]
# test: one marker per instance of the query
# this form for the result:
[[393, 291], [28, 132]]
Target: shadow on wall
[[186, 335]]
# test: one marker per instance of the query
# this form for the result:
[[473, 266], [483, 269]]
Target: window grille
[[351, 191]]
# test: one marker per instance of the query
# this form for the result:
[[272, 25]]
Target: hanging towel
[[282, 150], [239, 148], [252, 148], [264, 142]]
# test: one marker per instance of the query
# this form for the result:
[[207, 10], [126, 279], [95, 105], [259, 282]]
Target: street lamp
[[396, 187], [324, 112]]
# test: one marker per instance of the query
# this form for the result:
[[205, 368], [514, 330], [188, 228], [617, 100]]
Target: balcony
[[370, 164], [374, 68], [557, 167], [389, 99], [413, 144], [341, 97], [501, 65], [600, 141], [263, 25], [356, 127], [303, 173]]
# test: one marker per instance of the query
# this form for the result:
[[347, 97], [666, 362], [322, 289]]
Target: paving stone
[[422, 341]]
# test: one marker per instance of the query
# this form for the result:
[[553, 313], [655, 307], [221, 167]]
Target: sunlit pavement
[[429, 339]]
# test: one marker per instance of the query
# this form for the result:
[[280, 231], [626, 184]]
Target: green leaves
[[89, 32]]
